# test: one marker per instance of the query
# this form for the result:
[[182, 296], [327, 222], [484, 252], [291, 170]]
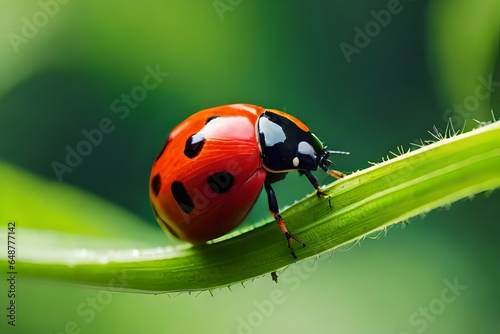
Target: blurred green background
[[365, 76]]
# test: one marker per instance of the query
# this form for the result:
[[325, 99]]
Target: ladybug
[[213, 166]]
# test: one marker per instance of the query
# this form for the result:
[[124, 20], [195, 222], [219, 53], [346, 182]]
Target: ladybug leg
[[273, 208], [315, 184]]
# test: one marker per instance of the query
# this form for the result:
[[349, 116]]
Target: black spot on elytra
[[168, 227], [220, 182], [211, 118], [181, 196], [156, 184], [163, 148], [194, 144]]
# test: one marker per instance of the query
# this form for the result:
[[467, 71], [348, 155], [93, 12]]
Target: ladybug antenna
[[325, 162], [339, 152]]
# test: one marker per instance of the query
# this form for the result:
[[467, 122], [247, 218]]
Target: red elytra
[[214, 164]]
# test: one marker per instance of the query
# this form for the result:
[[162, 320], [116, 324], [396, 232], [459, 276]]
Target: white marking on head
[[295, 161]]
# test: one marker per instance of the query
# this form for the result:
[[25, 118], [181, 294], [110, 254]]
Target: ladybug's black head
[[324, 162], [286, 144]]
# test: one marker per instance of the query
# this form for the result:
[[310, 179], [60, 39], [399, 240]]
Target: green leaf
[[366, 201], [49, 207]]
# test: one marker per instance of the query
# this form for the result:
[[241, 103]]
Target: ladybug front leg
[[314, 182], [273, 208]]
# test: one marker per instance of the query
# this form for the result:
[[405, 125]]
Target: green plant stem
[[366, 201]]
